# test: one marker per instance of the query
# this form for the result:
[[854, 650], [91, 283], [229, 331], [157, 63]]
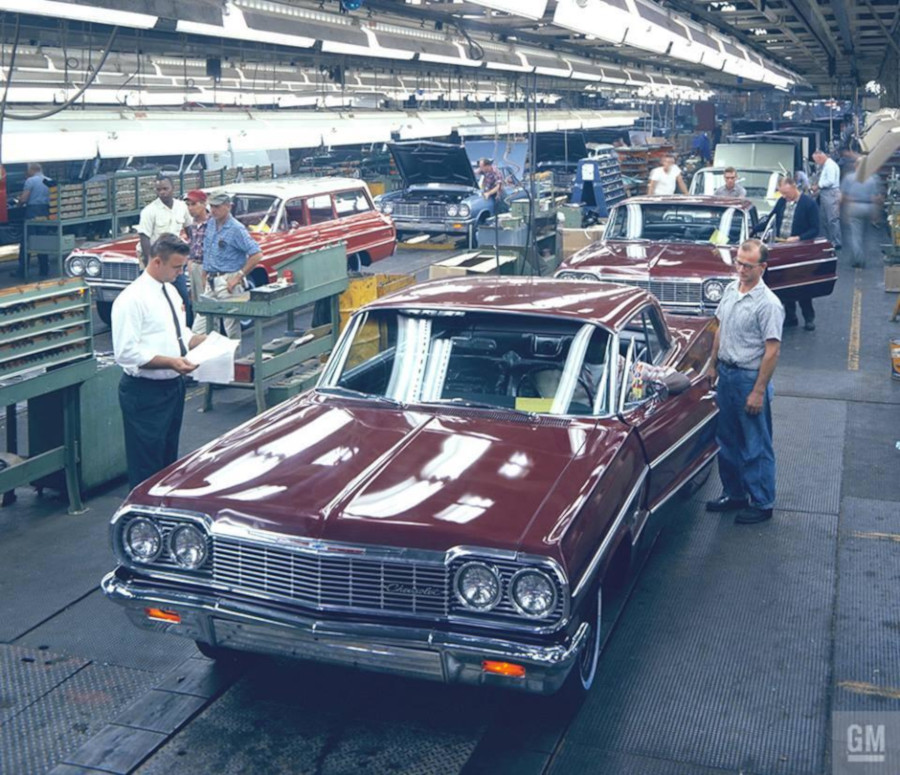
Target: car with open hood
[[480, 462], [285, 217], [682, 249], [440, 192]]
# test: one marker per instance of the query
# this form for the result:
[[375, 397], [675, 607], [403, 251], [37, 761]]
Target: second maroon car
[[682, 250]]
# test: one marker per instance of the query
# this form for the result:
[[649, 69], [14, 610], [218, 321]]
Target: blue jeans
[[746, 455]]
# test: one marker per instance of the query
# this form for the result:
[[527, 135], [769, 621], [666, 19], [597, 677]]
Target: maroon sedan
[[480, 460], [682, 249]]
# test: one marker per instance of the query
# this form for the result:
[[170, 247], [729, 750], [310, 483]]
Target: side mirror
[[675, 383]]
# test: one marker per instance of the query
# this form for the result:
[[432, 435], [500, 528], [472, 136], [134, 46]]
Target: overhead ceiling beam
[[842, 17]]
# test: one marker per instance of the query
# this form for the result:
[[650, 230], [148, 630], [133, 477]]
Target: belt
[[731, 365], [210, 275]]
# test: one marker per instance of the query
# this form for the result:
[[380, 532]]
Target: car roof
[[606, 304], [694, 199], [288, 187]]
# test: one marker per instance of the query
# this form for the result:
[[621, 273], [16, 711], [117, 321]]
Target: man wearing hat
[[229, 256], [196, 205]]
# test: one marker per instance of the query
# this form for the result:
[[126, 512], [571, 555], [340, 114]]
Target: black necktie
[[181, 346]]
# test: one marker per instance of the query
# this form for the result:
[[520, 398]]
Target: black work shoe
[[726, 503], [809, 325], [791, 322], [751, 515]]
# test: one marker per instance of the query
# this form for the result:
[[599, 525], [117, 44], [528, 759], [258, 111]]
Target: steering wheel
[[529, 386]]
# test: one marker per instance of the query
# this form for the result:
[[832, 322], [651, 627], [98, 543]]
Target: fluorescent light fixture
[[83, 13], [461, 60], [236, 28], [594, 17], [647, 36], [530, 9]]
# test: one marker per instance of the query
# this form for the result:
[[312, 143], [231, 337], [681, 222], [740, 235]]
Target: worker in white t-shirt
[[664, 179]]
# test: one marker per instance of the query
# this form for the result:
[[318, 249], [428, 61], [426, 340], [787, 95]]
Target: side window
[[319, 208], [351, 203], [648, 332], [293, 213]]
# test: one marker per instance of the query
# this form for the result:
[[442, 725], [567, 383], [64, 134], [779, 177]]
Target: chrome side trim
[[826, 260], [610, 534], [687, 478], [696, 429]]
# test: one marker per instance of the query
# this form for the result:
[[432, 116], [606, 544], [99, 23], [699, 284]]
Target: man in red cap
[[197, 207]]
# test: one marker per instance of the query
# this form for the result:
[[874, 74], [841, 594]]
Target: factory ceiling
[[806, 46]]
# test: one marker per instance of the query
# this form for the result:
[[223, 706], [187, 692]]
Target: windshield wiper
[[468, 403], [337, 390]]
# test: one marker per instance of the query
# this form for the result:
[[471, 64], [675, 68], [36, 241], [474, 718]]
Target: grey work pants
[[830, 215], [858, 221]]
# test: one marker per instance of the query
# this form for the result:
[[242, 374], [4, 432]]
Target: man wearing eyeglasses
[[731, 187], [229, 256], [745, 352]]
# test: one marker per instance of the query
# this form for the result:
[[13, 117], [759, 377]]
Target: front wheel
[[580, 680], [104, 312]]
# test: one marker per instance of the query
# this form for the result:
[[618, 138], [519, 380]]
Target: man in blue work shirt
[[229, 256], [36, 198]]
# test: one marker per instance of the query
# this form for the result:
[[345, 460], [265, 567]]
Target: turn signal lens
[[503, 668], [161, 615]]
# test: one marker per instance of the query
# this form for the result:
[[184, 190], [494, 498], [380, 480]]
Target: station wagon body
[[682, 249], [286, 217], [477, 463]]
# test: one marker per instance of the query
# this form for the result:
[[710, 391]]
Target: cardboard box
[[481, 262], [892, 278], [572, 240]]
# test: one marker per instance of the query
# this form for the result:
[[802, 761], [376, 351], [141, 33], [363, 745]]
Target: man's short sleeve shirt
[[746, 322], [227, 247]]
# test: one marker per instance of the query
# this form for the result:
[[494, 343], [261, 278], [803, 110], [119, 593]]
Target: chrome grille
[[505, 611], [423, 210], [667, 291], [119, 270], [324, 581]]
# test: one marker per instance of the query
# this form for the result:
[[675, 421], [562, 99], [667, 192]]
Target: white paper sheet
[[214, 358]]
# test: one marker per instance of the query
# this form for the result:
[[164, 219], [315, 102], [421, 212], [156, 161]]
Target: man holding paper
[[151, 340]]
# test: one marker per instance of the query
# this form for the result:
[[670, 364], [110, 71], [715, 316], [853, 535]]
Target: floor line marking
[[855, 325], [860, 687], [877, 536]]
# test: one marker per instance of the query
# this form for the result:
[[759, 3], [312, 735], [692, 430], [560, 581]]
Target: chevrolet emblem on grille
[[409, 589]]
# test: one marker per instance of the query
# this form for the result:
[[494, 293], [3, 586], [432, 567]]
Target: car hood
[[345, 471], [425, 162], [642, 259]]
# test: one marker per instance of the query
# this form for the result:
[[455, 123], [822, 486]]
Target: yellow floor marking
[[877, 536], [858, 687], [855, 325]]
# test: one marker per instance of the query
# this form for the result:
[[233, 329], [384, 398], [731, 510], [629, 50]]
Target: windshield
[[676, 222], [476, 359], [755, 182], [258, 212]]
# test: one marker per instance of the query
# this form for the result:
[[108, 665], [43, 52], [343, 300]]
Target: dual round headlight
[[76, 266], [93, 267], [143, 542], [387, 208], [464, 211], [453, 210], [532, 592], [713, 290]]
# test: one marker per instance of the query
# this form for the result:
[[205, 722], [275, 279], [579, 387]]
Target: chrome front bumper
[[434, 227], [409, 651]]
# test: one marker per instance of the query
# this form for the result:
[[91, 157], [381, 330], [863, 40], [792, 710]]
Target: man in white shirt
[[164, 215], [151, 339], [664, 179], [829, 189]]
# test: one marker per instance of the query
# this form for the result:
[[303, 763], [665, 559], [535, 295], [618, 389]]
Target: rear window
[[319, 208]]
